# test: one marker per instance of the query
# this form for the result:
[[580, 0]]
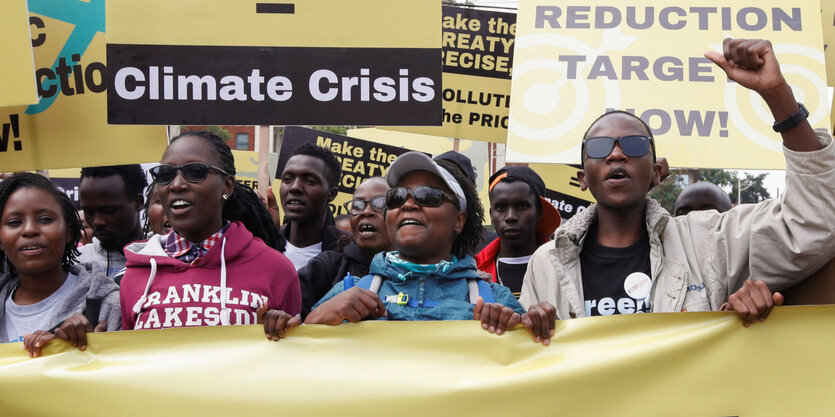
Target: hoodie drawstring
[[224, 312], [138, 306]]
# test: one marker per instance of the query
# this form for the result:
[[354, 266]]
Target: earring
[[457, 230], [225, 196]]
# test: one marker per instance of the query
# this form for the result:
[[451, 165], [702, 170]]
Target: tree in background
[[668, 190], [753, 189]]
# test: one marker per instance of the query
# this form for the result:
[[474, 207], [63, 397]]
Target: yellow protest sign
[[246, 167], [68, 126], [573, 61], [311, 62], [478, 61], [828, 25], [17, 74], [683, 364]]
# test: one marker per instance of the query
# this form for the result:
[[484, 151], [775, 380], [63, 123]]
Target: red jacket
[[486, 259]]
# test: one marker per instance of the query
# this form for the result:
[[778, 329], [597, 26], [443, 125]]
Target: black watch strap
[[800, 115]]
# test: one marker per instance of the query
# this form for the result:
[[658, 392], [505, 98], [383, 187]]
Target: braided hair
[[470, 237], [243, 205], [68, 211], [149, 192]]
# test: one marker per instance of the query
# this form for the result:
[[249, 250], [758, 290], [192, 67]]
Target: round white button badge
[[637, 285]]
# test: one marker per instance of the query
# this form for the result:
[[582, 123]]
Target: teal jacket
[[449, 288]]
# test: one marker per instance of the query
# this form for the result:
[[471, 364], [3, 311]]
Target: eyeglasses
[[193, 172], [357, 205], [423, 195], [601, 147]]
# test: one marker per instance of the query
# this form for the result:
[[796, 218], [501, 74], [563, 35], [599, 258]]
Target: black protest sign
[[236, 85], [316, 62]]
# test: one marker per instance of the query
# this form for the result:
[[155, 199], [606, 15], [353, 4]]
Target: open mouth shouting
[[617, 177], [409, 222], [367, 230], [180, 206]]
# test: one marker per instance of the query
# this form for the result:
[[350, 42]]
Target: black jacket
[[327, 269]]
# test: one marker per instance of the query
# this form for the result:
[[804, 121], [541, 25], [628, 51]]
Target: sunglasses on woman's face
[[423, 195], [193, 172], [601, 147], [358, 205]]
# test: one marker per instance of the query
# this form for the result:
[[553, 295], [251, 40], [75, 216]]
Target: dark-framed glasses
[[601, 146], [423, 195], [193, 172], [357, 205]]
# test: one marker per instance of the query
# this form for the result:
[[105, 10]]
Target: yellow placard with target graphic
[[575, 60]]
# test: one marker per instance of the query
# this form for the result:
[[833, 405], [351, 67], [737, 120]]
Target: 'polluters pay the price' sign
[[274, 63]]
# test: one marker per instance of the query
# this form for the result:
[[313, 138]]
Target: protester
[[433, 218], [343, 222], [209, 270], [308, 183], [155, 220], [702, 196], [86, 231], [625, 254], [41, 284], [523, 219], [111, 198], [370, 237]]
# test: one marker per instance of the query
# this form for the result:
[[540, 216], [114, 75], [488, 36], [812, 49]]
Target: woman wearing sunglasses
[[433, 216], [208, 270], [369, 238]]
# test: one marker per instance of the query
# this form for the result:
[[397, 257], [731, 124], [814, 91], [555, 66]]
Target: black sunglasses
[[423, 195], [193, 172], [601, 147], [358, 205]]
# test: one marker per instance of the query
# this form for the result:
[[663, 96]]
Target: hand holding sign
[[751, 63]]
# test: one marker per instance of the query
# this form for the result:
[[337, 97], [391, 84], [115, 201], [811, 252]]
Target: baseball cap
[[550, 216], [461, 161], [419, 161]]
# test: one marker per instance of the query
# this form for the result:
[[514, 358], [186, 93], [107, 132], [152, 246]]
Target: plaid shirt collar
[[181, 248]]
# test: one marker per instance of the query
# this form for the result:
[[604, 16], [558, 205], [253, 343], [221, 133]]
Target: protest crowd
[[196, 248]]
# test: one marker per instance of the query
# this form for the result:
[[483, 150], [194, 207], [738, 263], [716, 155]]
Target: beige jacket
[[698, 260]]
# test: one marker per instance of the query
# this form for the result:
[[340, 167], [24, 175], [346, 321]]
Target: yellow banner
[[68, 126], [17, 74], [573, 61], [682, 364]]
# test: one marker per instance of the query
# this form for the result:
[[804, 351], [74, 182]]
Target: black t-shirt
[[511, 275], [605, 271]]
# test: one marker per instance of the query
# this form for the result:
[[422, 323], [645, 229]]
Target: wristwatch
[[792, 121]]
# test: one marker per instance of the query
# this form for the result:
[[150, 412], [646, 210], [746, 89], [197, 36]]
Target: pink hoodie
[[226, 287]]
